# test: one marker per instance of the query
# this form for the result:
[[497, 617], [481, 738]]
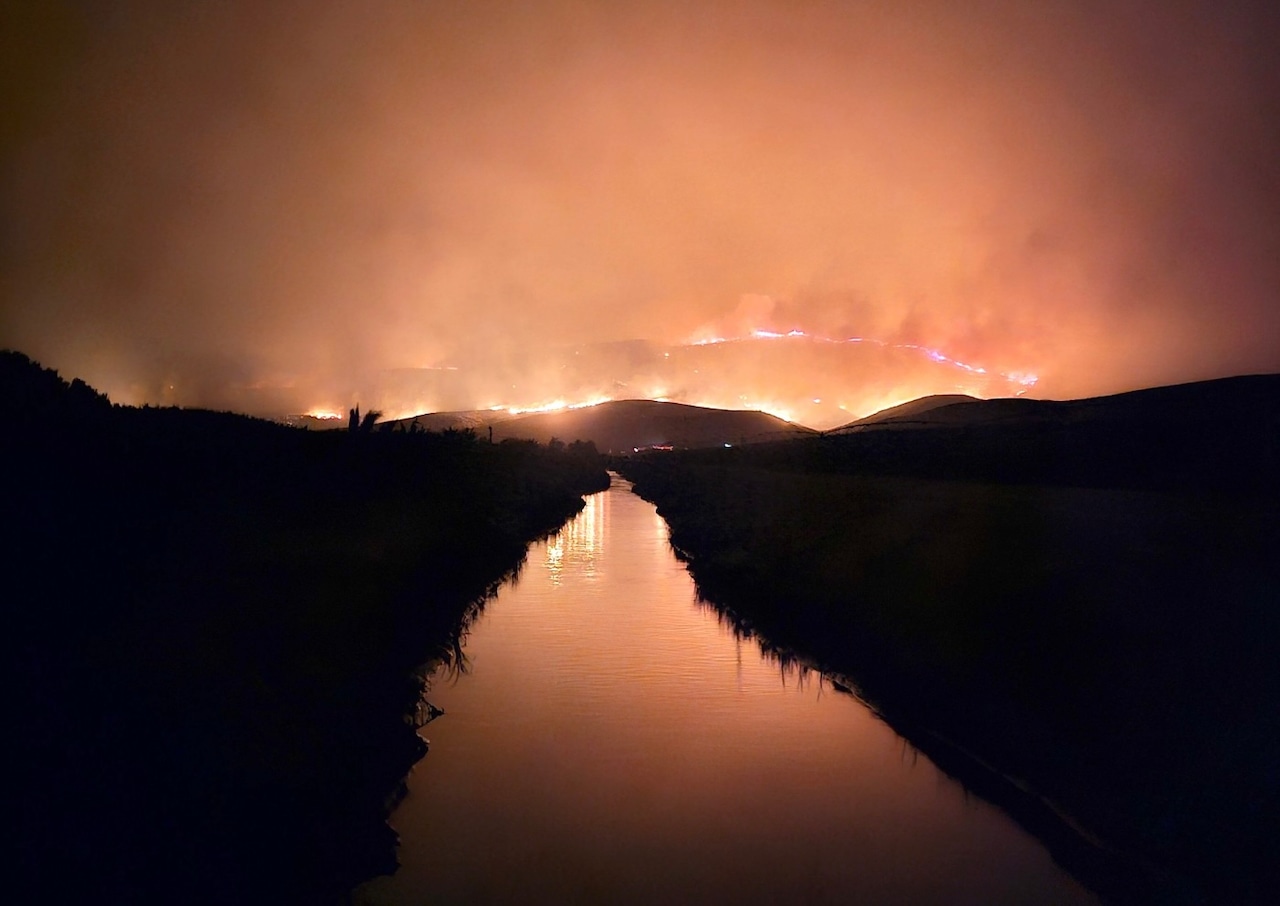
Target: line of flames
[[1025, 380]]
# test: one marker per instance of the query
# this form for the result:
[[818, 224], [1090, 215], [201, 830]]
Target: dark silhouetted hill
[[1233, 400], [623, 426], [908, 410], [1218, 434], [477, 420]]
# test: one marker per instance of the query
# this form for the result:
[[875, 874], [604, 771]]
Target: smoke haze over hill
[[288, 206]]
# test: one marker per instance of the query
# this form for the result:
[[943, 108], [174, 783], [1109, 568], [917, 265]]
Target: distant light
[[728, 445]]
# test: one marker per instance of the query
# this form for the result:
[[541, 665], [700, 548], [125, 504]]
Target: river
[[612, 740]]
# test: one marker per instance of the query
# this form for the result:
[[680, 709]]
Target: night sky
[[253, 205]]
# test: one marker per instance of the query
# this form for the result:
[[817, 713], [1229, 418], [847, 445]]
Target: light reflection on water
[[580, 540], [614, 742]]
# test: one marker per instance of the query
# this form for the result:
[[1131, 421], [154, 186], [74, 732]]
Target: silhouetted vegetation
[[362, 425], [216, 625], [1081, 595]]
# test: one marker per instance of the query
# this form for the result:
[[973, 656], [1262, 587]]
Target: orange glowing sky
[[252, 205]]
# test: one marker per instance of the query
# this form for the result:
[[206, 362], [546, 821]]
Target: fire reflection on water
[[577, 545], [616, 742]]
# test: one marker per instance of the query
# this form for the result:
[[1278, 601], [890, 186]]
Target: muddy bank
[[214, 625], [1108, 648]]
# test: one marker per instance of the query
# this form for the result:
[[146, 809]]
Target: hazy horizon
[[293, 207]]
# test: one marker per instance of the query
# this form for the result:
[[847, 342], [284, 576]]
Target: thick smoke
[[282, 206]]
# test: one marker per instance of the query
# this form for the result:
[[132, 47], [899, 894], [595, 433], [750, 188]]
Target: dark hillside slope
[[907, 410], [622, 425], [213, 625], [1219, 434], [468, 420]]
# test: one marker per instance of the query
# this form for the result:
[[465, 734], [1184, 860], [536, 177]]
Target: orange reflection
[[577, 545], [612, 729]]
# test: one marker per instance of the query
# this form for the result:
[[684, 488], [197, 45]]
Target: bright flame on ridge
[[554, 406], [1025, 379]]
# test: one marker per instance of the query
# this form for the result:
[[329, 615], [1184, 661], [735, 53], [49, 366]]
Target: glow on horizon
[[819, 408], [1025, 379], [742, 404], [540, 177]]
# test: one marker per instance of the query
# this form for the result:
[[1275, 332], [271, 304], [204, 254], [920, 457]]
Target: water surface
[[612, 741]]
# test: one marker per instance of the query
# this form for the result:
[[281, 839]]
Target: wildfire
[[553, 406], [1024, 379], [803, 383]]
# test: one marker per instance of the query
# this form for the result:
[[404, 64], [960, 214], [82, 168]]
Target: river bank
[[1109, 649], [216, 627], [612, 742]]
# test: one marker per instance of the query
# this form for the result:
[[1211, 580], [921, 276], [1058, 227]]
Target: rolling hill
[[623, 426], [908, 411], [1216, 435], [1197, 405]]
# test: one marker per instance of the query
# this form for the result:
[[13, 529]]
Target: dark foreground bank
[[215, 625], [1077, 614]]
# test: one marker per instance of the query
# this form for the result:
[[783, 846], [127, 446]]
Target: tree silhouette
[[358, 425]]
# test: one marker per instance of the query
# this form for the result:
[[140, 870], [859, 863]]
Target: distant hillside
[[1199, 404], [625, 425], [1221, 434], [473, 419], [910, 410], [622, 426]]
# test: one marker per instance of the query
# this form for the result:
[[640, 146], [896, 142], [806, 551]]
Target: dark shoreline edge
[[1080, 605], [1114, 875], [217, 632]]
